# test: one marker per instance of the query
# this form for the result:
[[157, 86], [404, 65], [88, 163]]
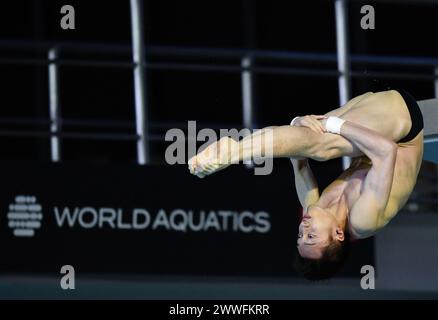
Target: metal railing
[[140, 59]]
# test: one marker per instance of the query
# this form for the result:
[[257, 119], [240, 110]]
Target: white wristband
[[293, 120], [334, 124]]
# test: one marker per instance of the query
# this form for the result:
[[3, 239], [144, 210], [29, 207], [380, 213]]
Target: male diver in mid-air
[[382, 132]]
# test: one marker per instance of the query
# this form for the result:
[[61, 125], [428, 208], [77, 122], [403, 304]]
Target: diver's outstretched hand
[[215, 157]]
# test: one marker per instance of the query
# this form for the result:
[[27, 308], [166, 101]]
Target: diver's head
[[322, 244]]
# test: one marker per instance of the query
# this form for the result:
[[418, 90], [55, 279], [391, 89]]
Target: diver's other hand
[[313, 122]]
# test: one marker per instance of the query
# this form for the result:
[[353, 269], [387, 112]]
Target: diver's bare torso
[[389, 116]]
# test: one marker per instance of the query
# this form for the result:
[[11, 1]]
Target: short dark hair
[[331, 262]]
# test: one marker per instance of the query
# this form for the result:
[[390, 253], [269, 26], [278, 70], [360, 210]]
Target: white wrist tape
[[334, 124], [293, 120]]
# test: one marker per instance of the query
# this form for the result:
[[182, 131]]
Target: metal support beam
[[247, 93], [54, 112], [343, 58], [138, 56], [247, 98]]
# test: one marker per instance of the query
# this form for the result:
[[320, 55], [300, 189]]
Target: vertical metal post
[[139, 59], [436, 81], [247, 98], [343, 58], [247, 93], [54, 112]]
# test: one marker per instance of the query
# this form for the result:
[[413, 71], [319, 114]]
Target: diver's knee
[[324, 151], [323, 155], [319, 151]]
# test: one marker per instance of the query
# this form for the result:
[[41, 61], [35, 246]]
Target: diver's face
[[315, 232]]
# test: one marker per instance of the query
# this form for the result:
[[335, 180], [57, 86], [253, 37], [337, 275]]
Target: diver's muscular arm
[[365, 213], [305, 183], [372, 144]]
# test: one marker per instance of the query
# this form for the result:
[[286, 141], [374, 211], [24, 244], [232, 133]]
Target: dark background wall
[[102, 95], [209, 97]]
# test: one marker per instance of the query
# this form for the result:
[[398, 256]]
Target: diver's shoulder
[[366, 229], [360, 232]]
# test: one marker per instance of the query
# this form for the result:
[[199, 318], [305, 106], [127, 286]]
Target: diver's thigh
[[382, 112]]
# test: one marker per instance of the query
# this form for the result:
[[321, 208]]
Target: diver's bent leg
[[294, 142], [277, 142]]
